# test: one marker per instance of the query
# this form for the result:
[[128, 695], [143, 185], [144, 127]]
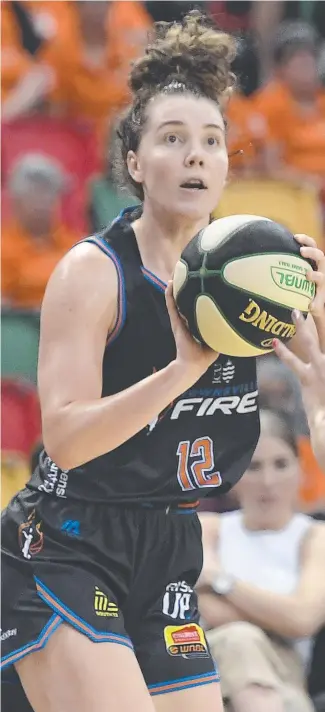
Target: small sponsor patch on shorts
[[103, 606], [188, 641]]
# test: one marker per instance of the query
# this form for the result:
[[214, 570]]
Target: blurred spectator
[[244, 130], [293, 106], [24, 81], [34, 240], [106, 198], [279, 388], [87, 61], [262, 587], [20, 430]]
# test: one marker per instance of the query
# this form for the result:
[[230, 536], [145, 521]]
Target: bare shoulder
[[84, 278], [79, 310]]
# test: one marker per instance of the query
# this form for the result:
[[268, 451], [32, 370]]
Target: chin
[[192, 212]]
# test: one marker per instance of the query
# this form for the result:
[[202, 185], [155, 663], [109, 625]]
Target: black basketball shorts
[[119, 575]]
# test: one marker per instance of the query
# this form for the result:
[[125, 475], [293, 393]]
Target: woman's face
[[268, 490], [183, 142]]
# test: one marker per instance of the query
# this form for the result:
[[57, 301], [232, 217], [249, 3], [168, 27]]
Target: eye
[[171, 138], [213, 141], [254, 466], [280, 463]]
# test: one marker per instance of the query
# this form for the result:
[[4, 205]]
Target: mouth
[[194, 184]]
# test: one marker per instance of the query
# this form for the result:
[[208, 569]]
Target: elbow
[[301, 625], [58, 456], [307, 627], [59, 451]]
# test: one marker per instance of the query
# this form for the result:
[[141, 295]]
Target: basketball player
[[138, 423]]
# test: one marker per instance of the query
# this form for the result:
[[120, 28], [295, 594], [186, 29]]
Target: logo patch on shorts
[[103, 606], [186, 640], [30, 537], [7, 634]]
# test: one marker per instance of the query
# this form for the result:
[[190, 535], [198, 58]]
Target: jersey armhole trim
[[121, 296]]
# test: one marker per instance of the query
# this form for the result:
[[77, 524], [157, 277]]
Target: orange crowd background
[[64, 76]]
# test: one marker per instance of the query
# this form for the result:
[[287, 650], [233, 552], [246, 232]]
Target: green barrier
[[19, 343]]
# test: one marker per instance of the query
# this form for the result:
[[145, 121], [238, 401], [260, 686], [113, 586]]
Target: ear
[[134, 167]]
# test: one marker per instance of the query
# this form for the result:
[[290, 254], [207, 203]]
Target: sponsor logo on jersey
[[54, 480], [223, 373], [8, 634], [208, 406], [30, 537], [266, 322], [103, 606], [177, 600], [188, 641]]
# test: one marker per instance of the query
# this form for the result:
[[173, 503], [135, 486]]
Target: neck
[[162, 237], [272, 522]]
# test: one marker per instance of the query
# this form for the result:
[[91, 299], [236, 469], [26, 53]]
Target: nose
[[194, 157], [267, 477]]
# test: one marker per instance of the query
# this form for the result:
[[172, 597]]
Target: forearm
[[281, 614], [216, 610], [31, 89], [82, 431], [316, 422]]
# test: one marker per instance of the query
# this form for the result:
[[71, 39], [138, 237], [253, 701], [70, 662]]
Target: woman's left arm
[[296, 615]]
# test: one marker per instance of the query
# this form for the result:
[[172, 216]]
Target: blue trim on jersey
[[163, 688], [123, 212], [152, 279], [121, 301], [71, 617], [37, 644]]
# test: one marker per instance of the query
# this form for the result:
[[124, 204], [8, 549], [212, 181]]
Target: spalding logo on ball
[[237, 283]]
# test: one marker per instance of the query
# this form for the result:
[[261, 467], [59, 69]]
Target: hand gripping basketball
[[191, 355]]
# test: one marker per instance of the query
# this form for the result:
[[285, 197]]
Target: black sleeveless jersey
[[201, 443]]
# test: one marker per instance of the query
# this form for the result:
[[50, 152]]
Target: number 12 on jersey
[[196, 465]]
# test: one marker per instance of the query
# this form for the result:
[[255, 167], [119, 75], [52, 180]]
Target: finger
[[305, 240], [175, 318], [291, 360], [307, 338], [312, 253]]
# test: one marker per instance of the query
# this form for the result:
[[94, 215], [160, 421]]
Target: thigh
[[169, 643], [54, 570], [73, 673], [205, 699]]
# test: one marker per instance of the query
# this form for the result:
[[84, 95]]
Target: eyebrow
[[181, 123]]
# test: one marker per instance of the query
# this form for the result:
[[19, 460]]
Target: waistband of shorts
[[169, 507]]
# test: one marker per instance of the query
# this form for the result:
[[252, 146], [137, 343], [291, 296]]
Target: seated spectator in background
[[293, 107], [15, 62], [262, 589], [244, 130], [106, 197], [33, 240], [24, 81], [279, 388], [88, 60]]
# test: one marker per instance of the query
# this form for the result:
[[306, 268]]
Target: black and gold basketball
[[237, 283]]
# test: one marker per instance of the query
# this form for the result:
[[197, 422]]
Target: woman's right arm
[[78, 312]]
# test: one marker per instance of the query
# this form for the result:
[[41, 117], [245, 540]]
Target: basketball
[[237, 283]]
